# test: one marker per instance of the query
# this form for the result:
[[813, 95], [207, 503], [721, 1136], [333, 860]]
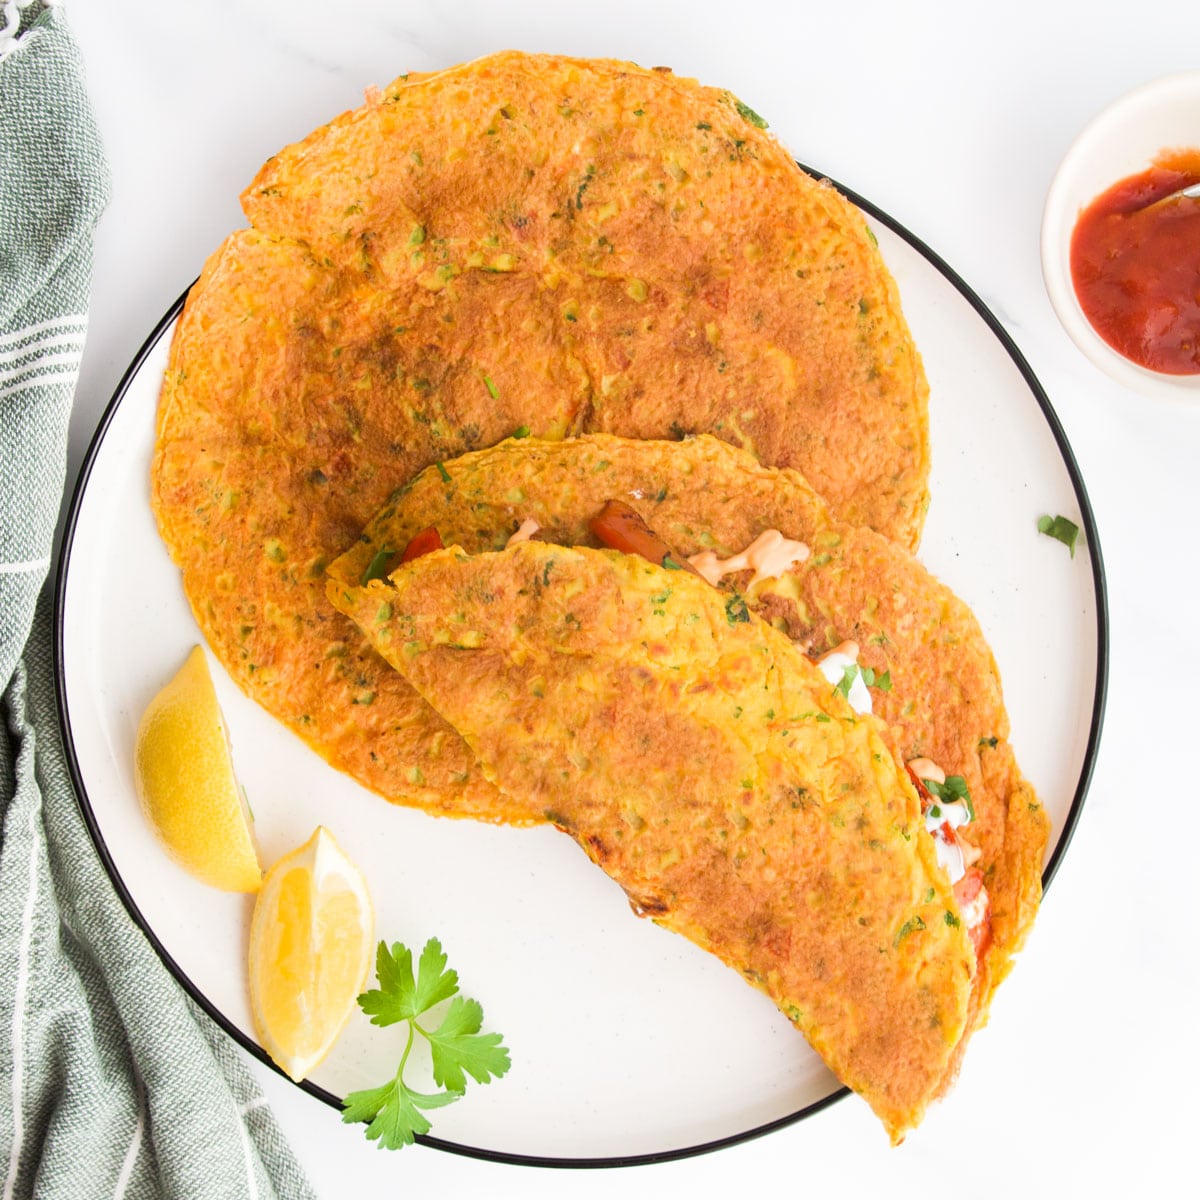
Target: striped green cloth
[[111, 1083]]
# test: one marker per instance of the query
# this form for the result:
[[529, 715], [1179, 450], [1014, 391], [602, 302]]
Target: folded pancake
[[944, 703], [534, 241], [705, 764]]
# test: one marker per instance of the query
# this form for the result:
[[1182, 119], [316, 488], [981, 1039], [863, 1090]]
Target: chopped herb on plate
[[1061, 529]]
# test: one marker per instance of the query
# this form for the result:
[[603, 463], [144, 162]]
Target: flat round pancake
[[705, 764], [522, 241]]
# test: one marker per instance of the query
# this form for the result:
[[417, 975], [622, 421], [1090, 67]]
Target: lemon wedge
[[311, 940], [185, 781]]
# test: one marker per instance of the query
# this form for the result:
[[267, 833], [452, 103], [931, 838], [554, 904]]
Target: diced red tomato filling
[[425, 542], [619, 526], [976, 906]]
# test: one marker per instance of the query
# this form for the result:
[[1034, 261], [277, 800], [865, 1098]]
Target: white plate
[[627, 1042]]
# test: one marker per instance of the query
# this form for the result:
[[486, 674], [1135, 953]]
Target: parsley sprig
[[395, 1111]]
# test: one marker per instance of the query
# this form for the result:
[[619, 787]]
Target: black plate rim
[[248, 1044]]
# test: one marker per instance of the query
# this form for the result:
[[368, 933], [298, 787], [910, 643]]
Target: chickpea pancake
[[522, 242], [942, 704], [703, 762]]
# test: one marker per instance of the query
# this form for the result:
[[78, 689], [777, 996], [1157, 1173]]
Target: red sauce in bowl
[[1136, 266]]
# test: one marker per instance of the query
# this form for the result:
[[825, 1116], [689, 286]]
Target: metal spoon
[[1191, 192]]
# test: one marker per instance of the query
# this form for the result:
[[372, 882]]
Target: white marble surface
[[952, 118]]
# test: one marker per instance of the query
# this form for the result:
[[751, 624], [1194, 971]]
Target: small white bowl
[[1122, 141]]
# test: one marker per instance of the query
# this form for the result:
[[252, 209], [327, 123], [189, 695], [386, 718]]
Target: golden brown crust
[[504, 244], [945, 701], [706, 765]]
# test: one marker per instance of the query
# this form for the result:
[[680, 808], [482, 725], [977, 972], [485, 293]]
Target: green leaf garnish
[[395, 1112], [909, 926], [670, 564], [521, 431], [443, 473], [1061, 529], [849, 675], [736, 610], [748, 114], [491, 387], [459, 1049], [952, 791]]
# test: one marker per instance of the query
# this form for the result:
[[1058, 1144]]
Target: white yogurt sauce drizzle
[[950, 854], [834, 666]]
